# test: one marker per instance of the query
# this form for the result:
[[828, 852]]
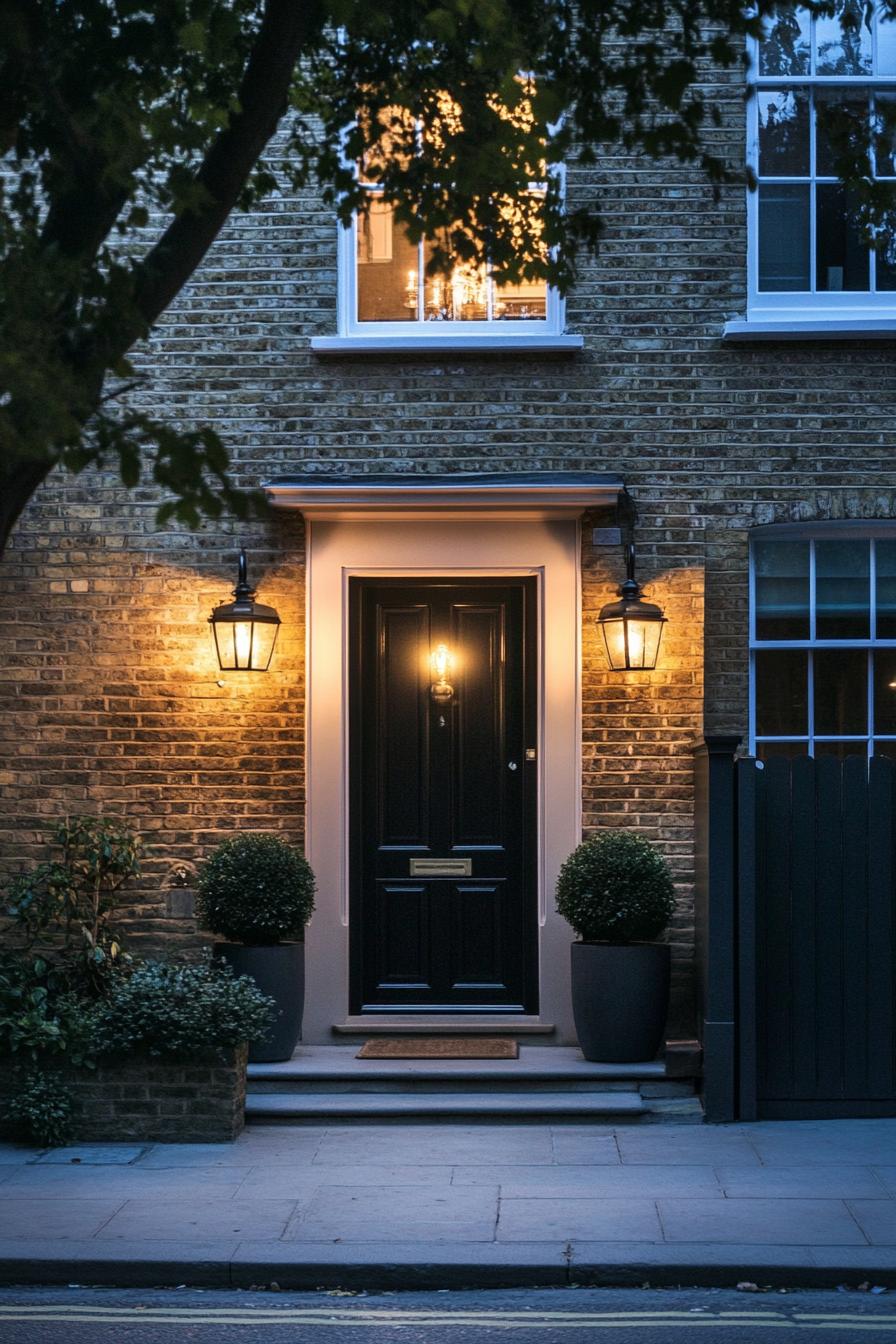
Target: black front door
[[443, 795]]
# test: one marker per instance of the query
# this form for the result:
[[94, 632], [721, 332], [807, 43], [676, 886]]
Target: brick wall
[[151, 1100], [110, 696]]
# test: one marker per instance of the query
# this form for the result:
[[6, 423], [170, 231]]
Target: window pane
[[841, 692], [842, 590], [767, 751], [783, 237], [839, 50], [782, 702], [841, 749], [887, 749], [885, 135], [842, 256], [838, 114], [885, 565], [786, 49], [885, 270], [885, 691], [521, 302], [886, 45], [387, 268], [782, 589], [784, 133], [461, 296]]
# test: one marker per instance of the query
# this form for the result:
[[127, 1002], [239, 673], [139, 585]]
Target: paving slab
[[793, 1222], [123, 1183], [16, 1154], [52, 1219], [397, 1213], [876, 1218], [288, 1147], [690, 1144], [284, 1182], [814, 1181], [578, 1146], [887, 1176], [584, 1182], [584, 1219], [437, 1145], [810, 1146], [199, 1220]]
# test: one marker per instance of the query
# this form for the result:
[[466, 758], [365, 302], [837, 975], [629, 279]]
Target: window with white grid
[[823, 641], [807, 254]]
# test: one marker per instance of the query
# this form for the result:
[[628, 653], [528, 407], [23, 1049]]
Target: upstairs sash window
[[808, 255]]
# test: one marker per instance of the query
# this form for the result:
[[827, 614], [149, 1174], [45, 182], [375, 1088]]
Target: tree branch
[[263, 99]]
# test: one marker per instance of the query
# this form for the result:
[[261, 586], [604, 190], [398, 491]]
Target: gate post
[[715, 920]]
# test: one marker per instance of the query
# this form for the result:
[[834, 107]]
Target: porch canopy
[[520, 495]]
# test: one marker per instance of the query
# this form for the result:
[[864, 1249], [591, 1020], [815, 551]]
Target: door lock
[[511, 765]]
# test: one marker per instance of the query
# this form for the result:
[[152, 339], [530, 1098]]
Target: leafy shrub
[[616, 888], [38, 1015], [40, 1108], [66, 905], [180, 1010], [256, 889]]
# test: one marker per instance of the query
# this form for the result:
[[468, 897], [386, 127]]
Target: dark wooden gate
[[816, 937]]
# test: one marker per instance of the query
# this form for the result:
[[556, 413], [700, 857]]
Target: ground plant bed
[[151, 1100]]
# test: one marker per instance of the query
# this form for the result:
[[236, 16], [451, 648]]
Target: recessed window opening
[[823, 644]]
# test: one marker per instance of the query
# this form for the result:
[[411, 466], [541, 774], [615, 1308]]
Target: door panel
[[446, 781]]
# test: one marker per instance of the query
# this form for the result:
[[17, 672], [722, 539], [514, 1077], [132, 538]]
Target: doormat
[[439, 1047]]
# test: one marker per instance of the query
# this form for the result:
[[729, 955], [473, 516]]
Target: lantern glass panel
[[263, 640], [614, 640]]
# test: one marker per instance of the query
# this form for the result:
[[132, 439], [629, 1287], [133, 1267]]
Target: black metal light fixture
[[631, 628], [245, 631]]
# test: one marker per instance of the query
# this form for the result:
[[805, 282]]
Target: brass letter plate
[[441, 867]]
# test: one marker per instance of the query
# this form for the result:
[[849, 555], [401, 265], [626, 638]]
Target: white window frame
[[837, 531], [496, 335], [807, 313]]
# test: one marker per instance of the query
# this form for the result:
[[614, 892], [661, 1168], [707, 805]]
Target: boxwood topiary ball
[[616, 888], [255, 889]]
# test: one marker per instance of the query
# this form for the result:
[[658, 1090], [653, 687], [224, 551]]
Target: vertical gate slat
[[881, 931], [748, 781], [804, 933], [776, 931], [855, 925], [829, 913]]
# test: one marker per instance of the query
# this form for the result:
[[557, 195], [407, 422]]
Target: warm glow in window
[[393, 283]]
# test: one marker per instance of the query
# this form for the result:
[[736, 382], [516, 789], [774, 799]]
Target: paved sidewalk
[[804, 1203]]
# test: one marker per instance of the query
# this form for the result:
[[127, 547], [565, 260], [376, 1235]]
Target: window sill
[[435, 345], [810, 329]]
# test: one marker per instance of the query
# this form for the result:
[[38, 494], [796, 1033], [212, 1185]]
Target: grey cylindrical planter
[[279, 971], [620, 997]]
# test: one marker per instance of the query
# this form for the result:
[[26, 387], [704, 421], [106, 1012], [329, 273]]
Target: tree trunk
[[18, 481]]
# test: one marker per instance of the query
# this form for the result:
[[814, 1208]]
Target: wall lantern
[[632, 628], [245, 631]]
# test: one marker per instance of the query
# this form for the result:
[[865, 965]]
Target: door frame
[[339, 550]]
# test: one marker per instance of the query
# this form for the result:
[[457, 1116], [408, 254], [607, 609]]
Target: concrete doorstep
[[809, 1204]]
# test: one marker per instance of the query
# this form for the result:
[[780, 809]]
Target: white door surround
[[431, 542]]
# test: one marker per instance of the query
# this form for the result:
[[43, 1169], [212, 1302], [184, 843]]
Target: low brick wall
[[155, 1100]]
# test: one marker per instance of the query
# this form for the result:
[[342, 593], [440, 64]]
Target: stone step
[[335, 1108], [555, 1068]]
